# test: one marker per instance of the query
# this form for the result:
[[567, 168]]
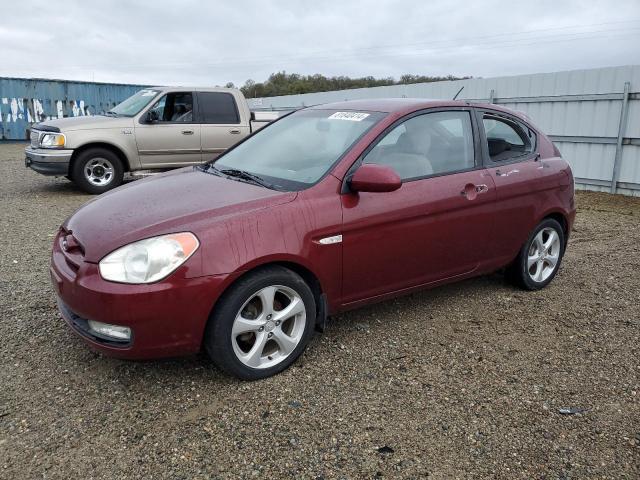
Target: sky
[[213, 42]]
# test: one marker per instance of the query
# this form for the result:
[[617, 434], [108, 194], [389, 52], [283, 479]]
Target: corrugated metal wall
[[26, 101], [580, 110]]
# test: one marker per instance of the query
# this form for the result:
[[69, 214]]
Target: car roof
[[193, 89], [407, 105]]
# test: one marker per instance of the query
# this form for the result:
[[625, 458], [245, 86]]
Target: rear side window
[[506, 140], [218, 107]]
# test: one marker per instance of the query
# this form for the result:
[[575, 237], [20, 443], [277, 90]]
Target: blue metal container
[[24, 101]]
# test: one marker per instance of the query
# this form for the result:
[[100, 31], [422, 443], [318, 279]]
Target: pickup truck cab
[[157, 129]]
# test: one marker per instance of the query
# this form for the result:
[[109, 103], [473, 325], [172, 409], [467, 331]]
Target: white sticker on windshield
[[149, 93], [352, 116]]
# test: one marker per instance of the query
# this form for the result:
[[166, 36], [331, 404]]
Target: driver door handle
[[235, 131], [510, 172], [471, 190], [187, 132]]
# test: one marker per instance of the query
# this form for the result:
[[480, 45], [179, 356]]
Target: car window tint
[[174, 107], [428, 144], [218, 107], [505, 140]]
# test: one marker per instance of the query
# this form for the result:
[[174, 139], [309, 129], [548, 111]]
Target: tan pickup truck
[[156, 129]]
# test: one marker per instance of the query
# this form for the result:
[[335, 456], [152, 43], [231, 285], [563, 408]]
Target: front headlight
[[148, 260], [52, 140]]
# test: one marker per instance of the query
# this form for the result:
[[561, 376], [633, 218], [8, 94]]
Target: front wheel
[[97, 170], [539, 259], [262, 324]]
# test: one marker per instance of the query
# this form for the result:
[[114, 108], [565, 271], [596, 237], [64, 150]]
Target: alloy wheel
[[268, 327], [99, 171], [543, 255]]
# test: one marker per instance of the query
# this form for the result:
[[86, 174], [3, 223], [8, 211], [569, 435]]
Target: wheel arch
[[561, 219], [296, 266], [107, 146]]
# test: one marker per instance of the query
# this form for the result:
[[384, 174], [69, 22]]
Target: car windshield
[[132, 105], [298, 150]]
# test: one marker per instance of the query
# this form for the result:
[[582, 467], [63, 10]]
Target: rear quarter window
[[507, 140], [218, 108]]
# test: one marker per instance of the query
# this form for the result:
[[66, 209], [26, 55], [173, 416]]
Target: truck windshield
[[298, 150], [132, 105]]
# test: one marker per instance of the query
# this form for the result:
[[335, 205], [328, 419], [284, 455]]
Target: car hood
[[86, 122], [181, 200]]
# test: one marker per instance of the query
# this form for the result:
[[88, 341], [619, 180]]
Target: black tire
[[218, 337], [83, 162], [519, 273]]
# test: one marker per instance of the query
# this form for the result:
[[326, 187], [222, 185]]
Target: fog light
[[115, 332]]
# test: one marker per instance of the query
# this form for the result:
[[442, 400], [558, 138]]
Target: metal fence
[[26, 101], [593, 115]]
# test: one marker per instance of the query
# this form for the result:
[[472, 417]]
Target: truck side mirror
[[152, 116]]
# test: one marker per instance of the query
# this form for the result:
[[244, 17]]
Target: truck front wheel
[[97, 170]]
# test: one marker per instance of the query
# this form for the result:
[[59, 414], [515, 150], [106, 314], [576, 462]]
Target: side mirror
[[152, 116], [375, 178]]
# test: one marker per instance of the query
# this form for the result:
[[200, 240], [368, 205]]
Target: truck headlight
[[52, 140], [148, 260]]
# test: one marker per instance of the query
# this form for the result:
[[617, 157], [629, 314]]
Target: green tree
[[283, 83]]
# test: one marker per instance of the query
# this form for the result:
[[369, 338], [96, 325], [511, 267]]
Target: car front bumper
[[48, 162], [166, 318]]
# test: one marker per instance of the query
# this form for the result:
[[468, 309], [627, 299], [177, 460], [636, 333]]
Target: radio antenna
[[456, 95]]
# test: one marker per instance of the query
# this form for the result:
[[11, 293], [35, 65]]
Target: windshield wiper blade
[[234, 172], [111, 113], [208, 169]]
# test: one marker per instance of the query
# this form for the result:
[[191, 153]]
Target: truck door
[[220, 123], [171, 136]]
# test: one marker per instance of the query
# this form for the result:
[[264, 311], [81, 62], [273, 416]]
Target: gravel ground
[[464, 381]]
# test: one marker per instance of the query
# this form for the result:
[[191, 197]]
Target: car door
[[510, 156], [168, 134], [220, 123], [436, 225]]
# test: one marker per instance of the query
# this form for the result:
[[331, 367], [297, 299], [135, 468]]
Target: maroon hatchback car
[[324, 210]]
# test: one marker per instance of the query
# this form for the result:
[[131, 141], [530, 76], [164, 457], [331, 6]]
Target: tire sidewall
[[217, 338], [77, 173], [528, 282]]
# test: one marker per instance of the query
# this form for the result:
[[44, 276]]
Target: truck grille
[[34, 137]]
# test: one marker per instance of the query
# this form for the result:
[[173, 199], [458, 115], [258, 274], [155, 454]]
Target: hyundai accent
[[324, 210]]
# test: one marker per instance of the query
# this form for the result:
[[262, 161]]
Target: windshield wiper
[[244, 175], [111, 113]]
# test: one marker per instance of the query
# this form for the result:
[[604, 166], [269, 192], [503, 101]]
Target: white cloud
[[210, 43]]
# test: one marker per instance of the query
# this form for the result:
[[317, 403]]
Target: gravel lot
[[465, 381]]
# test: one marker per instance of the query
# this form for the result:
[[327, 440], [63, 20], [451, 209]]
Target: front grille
[[34, 137], [72, 252]]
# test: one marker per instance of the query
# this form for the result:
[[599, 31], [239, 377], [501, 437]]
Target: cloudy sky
[[215, 42]]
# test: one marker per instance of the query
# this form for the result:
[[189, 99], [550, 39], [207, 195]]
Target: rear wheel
[[97, 170], [540, 257], [262, 324]]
